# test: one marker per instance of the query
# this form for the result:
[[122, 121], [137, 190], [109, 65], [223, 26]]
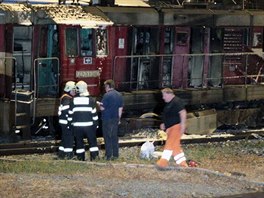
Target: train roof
[[134, 3], [23, 14], [124, 12]]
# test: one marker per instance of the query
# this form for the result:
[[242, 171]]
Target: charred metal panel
[[136, 100], [255, 92], [201, 122], [238, 116], [257, 18], [229, 19], [187, 17], [205, 96], [131, 16], [47, 107], [234, 93]]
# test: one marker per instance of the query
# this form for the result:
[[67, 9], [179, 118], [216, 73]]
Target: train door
[[215, 70], [198, 65], [145, 67], [166, 61], [181, 62], [46, 62]]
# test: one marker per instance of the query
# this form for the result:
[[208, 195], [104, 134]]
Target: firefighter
[[174, 123], [84, 120], [66, 147]]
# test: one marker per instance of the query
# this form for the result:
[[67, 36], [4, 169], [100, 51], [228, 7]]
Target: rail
[[51, 146]]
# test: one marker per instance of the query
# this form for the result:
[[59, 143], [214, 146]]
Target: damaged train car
[[211, 56]]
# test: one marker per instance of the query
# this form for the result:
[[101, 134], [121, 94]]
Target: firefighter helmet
[[81, 88], [69, 86]]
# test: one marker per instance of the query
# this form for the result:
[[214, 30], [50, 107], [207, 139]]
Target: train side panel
[[119, 46]]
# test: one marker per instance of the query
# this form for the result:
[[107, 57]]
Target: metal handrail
[[245, 75]]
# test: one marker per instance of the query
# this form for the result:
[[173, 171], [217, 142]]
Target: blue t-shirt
[[112, 101]]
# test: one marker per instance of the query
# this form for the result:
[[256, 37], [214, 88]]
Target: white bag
[[147, 150]]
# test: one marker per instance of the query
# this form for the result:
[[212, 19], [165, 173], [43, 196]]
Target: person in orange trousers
[[174, 123]]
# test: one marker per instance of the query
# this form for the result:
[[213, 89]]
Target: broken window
[[101, 42]]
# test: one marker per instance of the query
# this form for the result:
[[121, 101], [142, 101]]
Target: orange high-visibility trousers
[[173, 148]]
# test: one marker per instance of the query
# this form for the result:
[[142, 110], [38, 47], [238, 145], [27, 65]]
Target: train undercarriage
[[209, 110]]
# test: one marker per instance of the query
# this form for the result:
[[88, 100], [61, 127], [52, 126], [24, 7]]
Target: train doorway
[[22, 53], [145, 70], [46, 62]]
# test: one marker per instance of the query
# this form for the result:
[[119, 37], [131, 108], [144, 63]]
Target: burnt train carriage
[[141, 47], [211, 57]]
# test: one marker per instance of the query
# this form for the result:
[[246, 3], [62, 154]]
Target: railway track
[[51, 146]]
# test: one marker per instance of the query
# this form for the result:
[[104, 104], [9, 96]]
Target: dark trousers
[[67, 139], [89, 133], [110, 133]]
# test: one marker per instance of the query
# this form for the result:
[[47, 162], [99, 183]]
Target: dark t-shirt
[[112, 101], [171, 111]]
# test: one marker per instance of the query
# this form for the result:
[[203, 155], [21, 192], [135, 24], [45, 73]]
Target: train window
[[182, 38], [101, 42], [86, 42], [145, 40], [168, 40], [257, 40], [71, 42]]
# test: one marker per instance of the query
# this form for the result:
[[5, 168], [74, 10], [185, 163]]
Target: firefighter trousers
[[88, 132], [67, 138]]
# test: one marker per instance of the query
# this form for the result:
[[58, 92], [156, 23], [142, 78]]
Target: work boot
[[162, 164], [61, 154], [68, 155], [94, 155], [81, 156]]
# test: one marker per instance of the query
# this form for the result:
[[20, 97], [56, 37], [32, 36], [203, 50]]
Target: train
[[209, 52]]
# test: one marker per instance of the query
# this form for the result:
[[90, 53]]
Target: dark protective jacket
[[64, 107], [83, 112]]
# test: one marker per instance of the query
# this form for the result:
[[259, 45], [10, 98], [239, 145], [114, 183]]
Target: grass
[[231, 149], [28, 166], [44, 164]]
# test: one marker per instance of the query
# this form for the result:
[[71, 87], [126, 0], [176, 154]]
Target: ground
[[221, 175]]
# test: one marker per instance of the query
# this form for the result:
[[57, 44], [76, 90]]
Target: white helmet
[[81, 87], [70, 85]]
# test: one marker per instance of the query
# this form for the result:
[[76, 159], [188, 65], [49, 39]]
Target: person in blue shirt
[[112, 108]]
